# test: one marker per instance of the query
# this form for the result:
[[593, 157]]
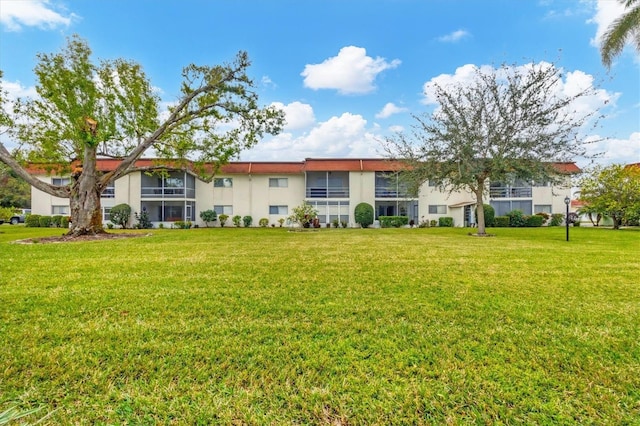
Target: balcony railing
[[318, 192], [108, 193], [155, 192], [391, 192], [510, 192]]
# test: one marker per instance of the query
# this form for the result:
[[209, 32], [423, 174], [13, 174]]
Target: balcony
[[156, 192], [510, 192], [323, 192], [391, 192]]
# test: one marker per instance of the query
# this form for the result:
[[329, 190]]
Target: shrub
[[303, 214], [223, 219], [247, 221], [516, 219], [344, 224], [120, 214], [433, 223], [263, 222], [336, 223], [32, 221], [393, 221], [208, 216], [236, 220], [143, 220], [6, 213], [56, 220], [181, 224], [489, 215], [364, 214], [445, 221], [534, 221], [64, 222], [110, 225], [501, 221], [45, 221], [281, 221], [544, 216], [556, 219]]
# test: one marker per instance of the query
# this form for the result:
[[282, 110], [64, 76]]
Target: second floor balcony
[[510, 192], [325, 192]]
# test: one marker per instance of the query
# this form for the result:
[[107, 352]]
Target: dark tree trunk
[[480, 208], [86, 211]]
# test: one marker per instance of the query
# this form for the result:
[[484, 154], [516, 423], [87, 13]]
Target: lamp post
[[567, 201]]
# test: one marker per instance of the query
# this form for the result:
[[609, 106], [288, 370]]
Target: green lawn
[[339, 326]]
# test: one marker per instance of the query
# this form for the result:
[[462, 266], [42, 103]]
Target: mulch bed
[[77, 238]]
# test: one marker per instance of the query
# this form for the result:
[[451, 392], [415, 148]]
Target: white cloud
[[389, 109], [16, 90], [616, 151], [454, 36], [346, 136], [33, 13], [297, 115], [351, 72], [607, 11]]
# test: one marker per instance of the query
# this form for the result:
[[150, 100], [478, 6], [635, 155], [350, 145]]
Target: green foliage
[[495, 124], [620, 32], [445, 221], [516, 218], [32, 221], [613, 190], [534, 221], [120, 214], [433, 223], [208, 216], [281, 222], [14, 191], [489, 215], [223, 219], [143, 220], [545, 216], [364, 214], [556, 219], [236, 220], [247, 221], [56, 220], [336, 223], [182, 224], [6, 213], [303, 215], [393, 221], [263, 222], [502, 221], [45, 221], [64, 222]]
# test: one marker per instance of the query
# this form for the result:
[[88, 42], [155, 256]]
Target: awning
[[462, 204]]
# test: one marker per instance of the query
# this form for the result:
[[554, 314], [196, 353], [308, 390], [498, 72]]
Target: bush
[[445, 221], [303, 215], [501, 222], [433, 223], [264, 222], [534, 221], [143, 220], [223, 219], [247, 221], [236, 220], [516, 219], [281, 221], [364, 214], [6, 213], [64, 222], [56, 220], [556, 219], [393, 221], [336, 223], [45, 221], [208, 216], [181, 224], [120, 214], [32, 221], [545, 216]]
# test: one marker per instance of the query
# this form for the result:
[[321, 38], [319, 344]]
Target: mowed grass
[[341, 327]]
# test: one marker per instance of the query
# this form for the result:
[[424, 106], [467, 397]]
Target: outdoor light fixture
[[567, 201]]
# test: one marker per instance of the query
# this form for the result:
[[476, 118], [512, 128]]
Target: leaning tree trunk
[[86, 211]]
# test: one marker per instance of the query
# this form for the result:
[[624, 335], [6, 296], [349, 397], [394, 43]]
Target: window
[[437, 209], [278, 182], [106, 213], [109, 191], [223, 183], [542, 208], [228, 210], [282, 210], [60, 210], [60, 181]]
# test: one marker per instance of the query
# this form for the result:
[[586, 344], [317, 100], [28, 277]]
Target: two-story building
[[272, 189]]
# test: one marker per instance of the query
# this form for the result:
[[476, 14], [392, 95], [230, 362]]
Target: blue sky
[[347, 72]]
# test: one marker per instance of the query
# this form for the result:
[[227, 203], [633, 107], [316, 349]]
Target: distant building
[[272, 189]]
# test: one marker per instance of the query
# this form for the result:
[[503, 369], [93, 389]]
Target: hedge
[[393, 221]]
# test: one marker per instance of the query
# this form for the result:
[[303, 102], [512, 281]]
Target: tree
[[84, 110], [208, 216], [623, 29], [14, 191], [364, 214], [613, 190], [510, 121], [303, 215]]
